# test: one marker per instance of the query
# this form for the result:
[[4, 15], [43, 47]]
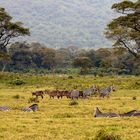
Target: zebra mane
[[109, 88], [132, 111], [33, 105]]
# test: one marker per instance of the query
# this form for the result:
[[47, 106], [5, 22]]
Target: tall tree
[[125, 30], [8, 31], [84, 63]]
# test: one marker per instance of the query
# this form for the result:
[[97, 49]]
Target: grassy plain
[[56, 120]]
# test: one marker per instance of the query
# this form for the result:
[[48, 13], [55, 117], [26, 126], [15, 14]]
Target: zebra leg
[[42, 96], [108, 96]]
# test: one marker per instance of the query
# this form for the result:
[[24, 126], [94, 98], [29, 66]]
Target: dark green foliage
[[36, 58], [8, 31], [134, 98], [105, 135], [84, 63], [16, 97], [17, 82], [73, 103], [125, 29]]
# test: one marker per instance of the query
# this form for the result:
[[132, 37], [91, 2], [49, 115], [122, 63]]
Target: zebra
[[106, 91], [31, 108], [133, 113], [4, 108], [98, 113], [34, 107], [26, 109], [136, 114], [74, 94], [90, 91]]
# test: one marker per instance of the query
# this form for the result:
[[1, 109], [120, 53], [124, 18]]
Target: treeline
[[35, 57]]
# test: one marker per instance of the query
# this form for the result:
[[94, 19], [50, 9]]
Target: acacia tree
[[8, 31], [84, 63], [125, 30]]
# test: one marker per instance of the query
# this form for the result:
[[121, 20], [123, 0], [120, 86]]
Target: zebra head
[[112, 87], [97, 112], [94, 88]]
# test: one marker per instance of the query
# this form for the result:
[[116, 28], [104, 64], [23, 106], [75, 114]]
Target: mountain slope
[[60, 23]]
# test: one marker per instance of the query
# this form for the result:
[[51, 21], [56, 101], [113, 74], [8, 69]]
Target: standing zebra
[[90, 91], [74, 94], [106, 91]]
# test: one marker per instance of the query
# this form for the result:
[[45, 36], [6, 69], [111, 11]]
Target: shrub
[[101, 74], [73, 102], [16, 97], [134, 98], [17, 82], [70, 77], [104, 135]]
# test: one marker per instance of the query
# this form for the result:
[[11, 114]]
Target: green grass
[[56, 119]]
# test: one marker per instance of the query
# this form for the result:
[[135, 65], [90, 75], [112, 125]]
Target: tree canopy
[[125, 29], [9, 29]]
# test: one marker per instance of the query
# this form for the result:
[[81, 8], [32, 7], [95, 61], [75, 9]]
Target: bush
[[134, 98], [17, 82], [70, 77], [104, 135], [73, 103], [16, 97]]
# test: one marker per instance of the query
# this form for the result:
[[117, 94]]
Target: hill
[[63, 23]]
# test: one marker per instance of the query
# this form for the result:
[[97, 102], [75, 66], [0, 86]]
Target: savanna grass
[[56, 119]]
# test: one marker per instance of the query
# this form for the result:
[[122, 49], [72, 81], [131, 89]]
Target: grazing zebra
[[98, 113], [90, 91], [4, 108], [106, 91], [38, 93], [74, 94]]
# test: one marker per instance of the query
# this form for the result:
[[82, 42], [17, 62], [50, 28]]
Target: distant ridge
[[62, 23]]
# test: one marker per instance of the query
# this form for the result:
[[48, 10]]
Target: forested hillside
[[61, 23]]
